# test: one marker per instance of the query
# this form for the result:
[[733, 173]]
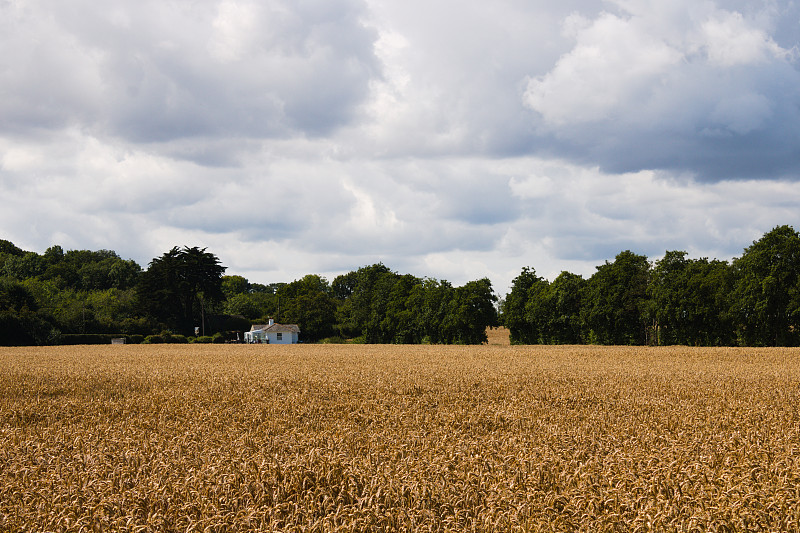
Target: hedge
[[165, 338], [72, 339]]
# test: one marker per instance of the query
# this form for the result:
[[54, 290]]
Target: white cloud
[[660, 88], [613, 63], [730, 40], [234, 30]]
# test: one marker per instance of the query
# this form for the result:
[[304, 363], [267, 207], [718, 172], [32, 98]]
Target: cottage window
[[279, 336]]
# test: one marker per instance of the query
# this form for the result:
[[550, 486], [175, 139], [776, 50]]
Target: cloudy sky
[[450, 139]]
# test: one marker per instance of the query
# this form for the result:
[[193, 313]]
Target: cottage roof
[[276, 328]]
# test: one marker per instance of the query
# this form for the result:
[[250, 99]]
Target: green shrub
[[166, 338], [134, 339], [203, 339], [333, 340]]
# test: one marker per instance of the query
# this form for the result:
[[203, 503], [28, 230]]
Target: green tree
[[358, 291], [9, 248], [88, 270], [378, 305], [689, 300], [430, 300], [308, 303], [616, 303], [21, 322], [115, 311], [105, 270], [516, 315], [180, 287], [565, 300], [539, 312], [343, 285], [711, 285], [470, 312], [255, 306], [20, 267], [235, 285], [669, 299], [65, 307], [374, 329], [767, 294], [399, 324]]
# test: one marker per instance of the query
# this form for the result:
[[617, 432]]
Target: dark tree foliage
[[767, 292], [376, 329], [357, 290], [690, 300], [755, 301], [308, 303], [252, 301], [539, 311], [616, 300], [433, 297], [234, 286], [15, 296], [180, 286], [519, 313], [21, 322], [343, 286], [21, 267], [378, 305], [255, 306], [397, 324], [471, 311], [76, 269], [564, 298], [9, 248]]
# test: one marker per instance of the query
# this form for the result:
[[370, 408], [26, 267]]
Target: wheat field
[[398, 438]]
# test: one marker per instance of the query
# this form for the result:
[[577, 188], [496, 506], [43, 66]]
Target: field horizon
[[383, 437]]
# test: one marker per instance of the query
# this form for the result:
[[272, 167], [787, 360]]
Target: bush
[[218, 338], [26, 329], [165, 338], [204, 339], [176, 339], [333, 340]]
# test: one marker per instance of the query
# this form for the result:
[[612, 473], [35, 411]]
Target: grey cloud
[[719, 101], [263, 209], [481, 200], [154, 71]]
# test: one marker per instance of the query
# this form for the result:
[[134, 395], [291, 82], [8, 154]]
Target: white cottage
[[272, 333]]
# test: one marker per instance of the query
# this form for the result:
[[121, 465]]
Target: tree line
[[754, 300], [59, 297]]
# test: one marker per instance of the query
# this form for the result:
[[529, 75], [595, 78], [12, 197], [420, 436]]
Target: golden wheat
[[402, 438]]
